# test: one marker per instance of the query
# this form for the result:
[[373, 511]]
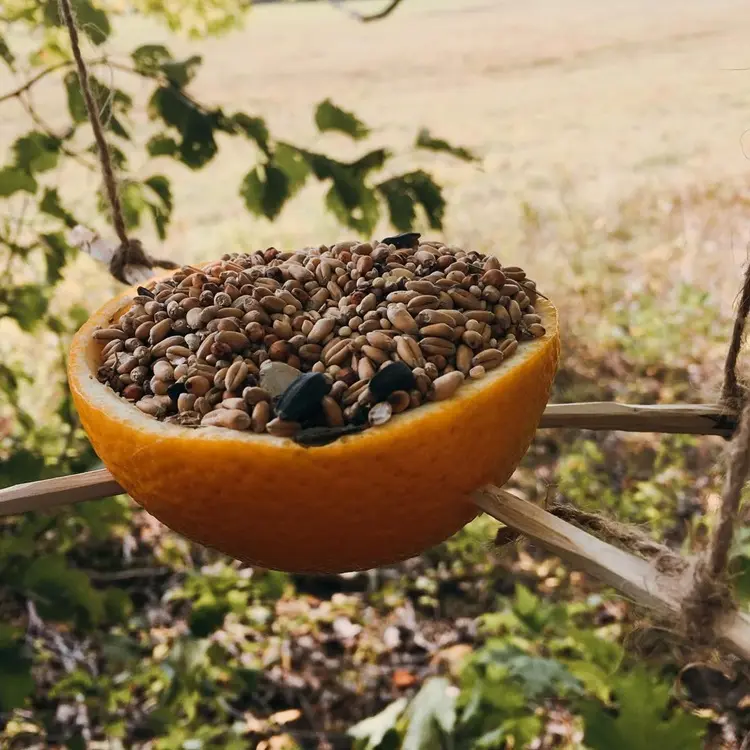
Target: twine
[[130, 251], [711, 595], [622, 535], [732, 393]]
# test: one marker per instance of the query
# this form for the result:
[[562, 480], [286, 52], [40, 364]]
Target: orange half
[[366, 500]]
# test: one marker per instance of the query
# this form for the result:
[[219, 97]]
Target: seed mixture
[[320, 343]]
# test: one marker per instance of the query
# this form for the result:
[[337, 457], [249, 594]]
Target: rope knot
[[132, 254]]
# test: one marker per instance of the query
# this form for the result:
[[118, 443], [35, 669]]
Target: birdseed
[[320, 343]]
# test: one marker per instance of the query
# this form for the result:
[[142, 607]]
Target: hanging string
[[732, 394], [130, 252], [711, 596]]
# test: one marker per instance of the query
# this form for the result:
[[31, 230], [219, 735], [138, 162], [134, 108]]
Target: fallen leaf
[[254, 725], [403, 678], [285, 717], [345, 628], [279, 742], [453, 657]]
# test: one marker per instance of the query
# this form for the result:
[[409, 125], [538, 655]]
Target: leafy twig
[[16, 93]]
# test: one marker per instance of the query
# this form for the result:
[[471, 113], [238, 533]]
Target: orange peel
[[366, 500]]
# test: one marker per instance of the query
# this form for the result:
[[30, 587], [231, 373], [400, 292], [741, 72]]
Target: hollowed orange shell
[[366, 500]]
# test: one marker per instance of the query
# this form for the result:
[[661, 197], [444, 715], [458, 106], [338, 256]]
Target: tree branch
[[363, 18], [34, 80]]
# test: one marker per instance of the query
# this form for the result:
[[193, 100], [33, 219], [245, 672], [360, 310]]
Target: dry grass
[[610, 132]]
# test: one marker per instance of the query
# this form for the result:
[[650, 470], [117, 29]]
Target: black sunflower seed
[[145, 292], [303, 397], [403, 241], [176, 390], [316, 436], [395, 377]]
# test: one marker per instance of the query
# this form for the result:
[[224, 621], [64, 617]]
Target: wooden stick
[[49, 493], [699, 419], [696, 419], [633, 576]]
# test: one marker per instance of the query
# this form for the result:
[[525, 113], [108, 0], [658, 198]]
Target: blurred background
[[603, 146]]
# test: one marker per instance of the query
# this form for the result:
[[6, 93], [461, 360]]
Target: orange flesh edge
[[366, 500]]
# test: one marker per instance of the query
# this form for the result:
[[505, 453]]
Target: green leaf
[[36, 152], [17, 681], [432, 712], [154, 60], [50, 205], [162, 145], [78, 315], [91, 20], [374, 729], [540, 677], [429, 195], [55, 249], [427, 141], [161, 209], [492, 740], [27, 303], [109, 101], [642, 718], [740, 564], [14, 180], [523, 729], [293, 164], [8, 383], [181, 72], [5, 52], [196, 126], [597, 650], [159, 184], [254, 128], [330, 117], [76, 103], [149, 58], [355, 206], [62, 593], [22, 466], [370, 161], [400, 203], [118, 606], [207, 616], [132, 203], [76, 743], [594, 679], [265, 189], [404, 192]]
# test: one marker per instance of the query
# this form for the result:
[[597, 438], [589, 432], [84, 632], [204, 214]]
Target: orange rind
[[366, 500]]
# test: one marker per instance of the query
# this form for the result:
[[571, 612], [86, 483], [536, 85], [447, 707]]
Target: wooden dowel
[[699, 419], [633, 576], [49, 493], [696, 419]]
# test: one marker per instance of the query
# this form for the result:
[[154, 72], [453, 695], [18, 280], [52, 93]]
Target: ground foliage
[[117, 633]]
